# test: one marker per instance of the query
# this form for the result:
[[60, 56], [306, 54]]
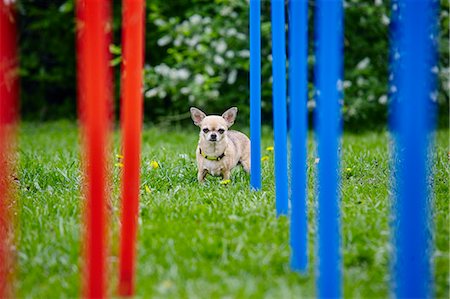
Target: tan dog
[[219, 150]]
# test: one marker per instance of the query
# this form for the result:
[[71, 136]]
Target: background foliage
[[197, 54]]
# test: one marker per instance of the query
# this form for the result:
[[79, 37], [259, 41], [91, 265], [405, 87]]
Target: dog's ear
[[197, 115], [230, 116]]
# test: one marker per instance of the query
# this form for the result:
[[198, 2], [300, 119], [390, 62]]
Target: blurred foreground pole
[[9, 99], [132, 71], [415, 80], [298, 91], [255, 93], [94, 92], [329, 57], [279, 105]]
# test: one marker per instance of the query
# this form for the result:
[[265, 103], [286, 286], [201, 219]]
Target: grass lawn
[[210, 241]]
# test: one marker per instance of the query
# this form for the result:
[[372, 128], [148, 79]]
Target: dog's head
[[213, 128]]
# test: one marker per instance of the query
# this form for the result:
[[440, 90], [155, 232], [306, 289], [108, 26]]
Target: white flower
[[244, 53], [193, 41], [165, 40], [382, 100], [199, 79], [209, 70], [208, 30], [221, 46], [173, 74], [232, 77], [311, 104], [162, 69], [229, 54], [218, 60], [162, 93], [201, 48], [206, 20], [185, 90], [225, 11], [378, 2], [435, 69], [231, 32], [195, 19], [160, 22], [183, 156], [385, 20], [151, 92], [352, 111], [177, 42], [241, 36], [360, 81], [183, 74], [214, 94], [363, 64], [347, 84]]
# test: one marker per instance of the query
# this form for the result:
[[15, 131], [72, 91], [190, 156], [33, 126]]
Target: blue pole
[[329, 55], [255, 93], [298, 90], [417, 43], [279, 105]]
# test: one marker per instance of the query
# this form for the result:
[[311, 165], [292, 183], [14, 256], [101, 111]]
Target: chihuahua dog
[[219, 150]]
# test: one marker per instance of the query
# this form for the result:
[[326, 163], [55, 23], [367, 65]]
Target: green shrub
[[197, 54]]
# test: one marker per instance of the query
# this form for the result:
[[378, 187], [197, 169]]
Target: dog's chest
[[213, 167]]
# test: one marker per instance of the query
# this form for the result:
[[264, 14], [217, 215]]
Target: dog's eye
[[205, 130], [221, 131]]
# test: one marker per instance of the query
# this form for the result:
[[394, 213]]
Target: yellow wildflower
[[264, 158], [119, 156], [269, 148], [147, 189], [154, 164], [349, 169], [225, 182], [119, 165]]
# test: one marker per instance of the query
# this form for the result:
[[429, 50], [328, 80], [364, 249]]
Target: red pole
[[133, 47], [9, 99], [94, 96]]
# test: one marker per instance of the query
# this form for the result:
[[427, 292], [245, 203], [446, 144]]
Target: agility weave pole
[[415, 57], [328, 73], [255, 93], [279, 105], [132, 65], [9, 105], [95, 92], [298, 93]]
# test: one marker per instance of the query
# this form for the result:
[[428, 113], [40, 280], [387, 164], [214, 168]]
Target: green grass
[[210, 241]]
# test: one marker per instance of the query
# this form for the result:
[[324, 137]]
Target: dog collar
[[212, 158]]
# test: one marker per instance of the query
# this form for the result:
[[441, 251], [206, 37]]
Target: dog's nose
[[213, 136]]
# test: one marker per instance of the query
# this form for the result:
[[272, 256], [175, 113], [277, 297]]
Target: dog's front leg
[[226, 174], [201, 175]]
